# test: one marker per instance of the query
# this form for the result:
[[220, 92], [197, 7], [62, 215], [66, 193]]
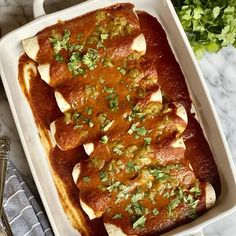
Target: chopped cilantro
[[109, 90], [113, 186], [77, 126], [104, 37], [59, 42], [166, 195], [104, 139], [108, 125], [194, 204], [86, 179], [117, 216], [173, 204], [123, 194], [101, 80], [90, 59], [91, 91], [59, 57], [100, 44], [79, 36], [106, 62], [75, 65], [140, 222], [101, 16], [101, 39], [158, 173], [113, 102], [196, 190], [121, 70], [103, 176], [89, 110], [97, 162], [137, 197], [90, 123], [155, 212], [129, 209], [134, 73], [76, 47], [131, 167], [190, 199], [118, 149], [142, 131], [133, 128], [102, 117], [148, 140], [138, 208]]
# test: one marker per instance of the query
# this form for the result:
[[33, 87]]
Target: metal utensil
[[4, 152]]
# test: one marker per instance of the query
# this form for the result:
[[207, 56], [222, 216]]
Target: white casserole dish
[[10, 50]]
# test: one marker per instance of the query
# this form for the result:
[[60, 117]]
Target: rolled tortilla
[[53, 131], [44, 71], [156, 96], [31, 47], [89, 211], [76, 172], [63, 105], [194, 111], [88, 148], [86, 208], [179, 143], [114, 230], [181, 112], [210, 196], [139, 44]]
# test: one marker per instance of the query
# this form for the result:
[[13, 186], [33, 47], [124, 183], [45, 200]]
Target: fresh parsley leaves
[[210, 25]]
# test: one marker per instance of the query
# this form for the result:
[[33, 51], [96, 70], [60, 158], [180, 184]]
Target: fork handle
[[3, 167], [4, 151]]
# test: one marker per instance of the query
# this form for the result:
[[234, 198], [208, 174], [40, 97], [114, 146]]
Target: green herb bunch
[[210, 25]]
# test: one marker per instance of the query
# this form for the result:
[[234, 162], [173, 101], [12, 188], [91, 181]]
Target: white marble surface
[[219, 71]]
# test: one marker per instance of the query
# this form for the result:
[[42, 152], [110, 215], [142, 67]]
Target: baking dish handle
[[38, 8]]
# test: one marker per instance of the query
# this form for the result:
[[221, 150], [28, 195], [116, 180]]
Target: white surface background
[[219, 71]]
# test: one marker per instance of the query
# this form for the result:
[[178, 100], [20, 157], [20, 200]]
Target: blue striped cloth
[[24, 214]]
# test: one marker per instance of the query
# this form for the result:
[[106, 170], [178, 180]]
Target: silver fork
[[5, 228]]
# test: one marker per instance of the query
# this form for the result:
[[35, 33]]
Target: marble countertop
[[219, 71]]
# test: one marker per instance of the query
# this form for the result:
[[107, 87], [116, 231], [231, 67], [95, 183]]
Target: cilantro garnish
[[155, 212], [139, 222], [104, 139], [89, 110], [75, 65], [113, 186], [136, 197], [118, 149], [103, 176], [121, 70], [86, 179], [117, 216], [60, 42], [90, 59]]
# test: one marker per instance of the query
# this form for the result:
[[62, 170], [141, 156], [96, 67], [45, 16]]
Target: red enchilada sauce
[[198, 154]]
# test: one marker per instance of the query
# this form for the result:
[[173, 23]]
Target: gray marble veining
[[219, 71]]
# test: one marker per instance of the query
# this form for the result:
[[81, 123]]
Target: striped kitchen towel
[[24, 214]]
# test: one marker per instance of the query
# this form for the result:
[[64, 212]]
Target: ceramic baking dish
[[10, 50]]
